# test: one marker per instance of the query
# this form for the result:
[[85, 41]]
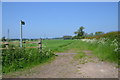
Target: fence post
[[7, 45], [24, 44], [40, 45]]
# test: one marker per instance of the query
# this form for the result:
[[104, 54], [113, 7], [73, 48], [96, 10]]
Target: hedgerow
[[19, 58], [110, 35]]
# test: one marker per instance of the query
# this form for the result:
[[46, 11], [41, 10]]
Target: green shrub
[[110, 35], [19, 58]]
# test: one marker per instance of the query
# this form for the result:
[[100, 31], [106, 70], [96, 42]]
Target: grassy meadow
[[106, 49]]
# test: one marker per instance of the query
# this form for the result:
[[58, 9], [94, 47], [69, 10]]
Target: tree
[[80, 33]]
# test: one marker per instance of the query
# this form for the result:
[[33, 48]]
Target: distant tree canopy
[[89, 34], [67, 37], [79, 33], [99, 33]]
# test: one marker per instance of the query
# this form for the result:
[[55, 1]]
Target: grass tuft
[[80, 55]]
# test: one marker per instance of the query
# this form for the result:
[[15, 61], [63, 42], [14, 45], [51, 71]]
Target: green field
[[105, 50], [56, 45], [14, 60]]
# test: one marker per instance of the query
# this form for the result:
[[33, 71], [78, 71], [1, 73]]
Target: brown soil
[[65, 66]]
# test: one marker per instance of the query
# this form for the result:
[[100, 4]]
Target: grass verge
[[103, 52], [26, 70], [15, 59]]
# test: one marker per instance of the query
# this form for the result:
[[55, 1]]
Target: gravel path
[[65, 66]]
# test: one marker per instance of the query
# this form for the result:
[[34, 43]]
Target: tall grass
[[19, 58], [105, 52], [109, 50]]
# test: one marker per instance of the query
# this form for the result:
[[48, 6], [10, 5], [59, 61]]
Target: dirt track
[[65, 66]]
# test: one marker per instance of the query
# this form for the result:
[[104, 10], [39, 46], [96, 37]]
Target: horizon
[[57, 19], [52, 37]]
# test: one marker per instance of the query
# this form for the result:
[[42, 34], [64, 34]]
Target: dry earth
[[65, 66]]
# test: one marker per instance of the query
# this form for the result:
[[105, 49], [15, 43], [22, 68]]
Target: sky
[[56, 19]]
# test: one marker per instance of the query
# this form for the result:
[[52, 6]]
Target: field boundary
[[6, 44]]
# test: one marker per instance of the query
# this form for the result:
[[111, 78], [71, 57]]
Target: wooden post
[[24, 44], [7, 45], [40, 45]]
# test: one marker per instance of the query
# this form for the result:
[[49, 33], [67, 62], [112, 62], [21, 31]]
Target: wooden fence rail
[[39, 44], [16, 42]]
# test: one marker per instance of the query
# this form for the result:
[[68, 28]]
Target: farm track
[[65, 66]]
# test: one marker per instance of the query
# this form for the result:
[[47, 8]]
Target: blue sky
[[56, 19]]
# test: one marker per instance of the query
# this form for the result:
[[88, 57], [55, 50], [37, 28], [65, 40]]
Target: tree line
[[80, 34]]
